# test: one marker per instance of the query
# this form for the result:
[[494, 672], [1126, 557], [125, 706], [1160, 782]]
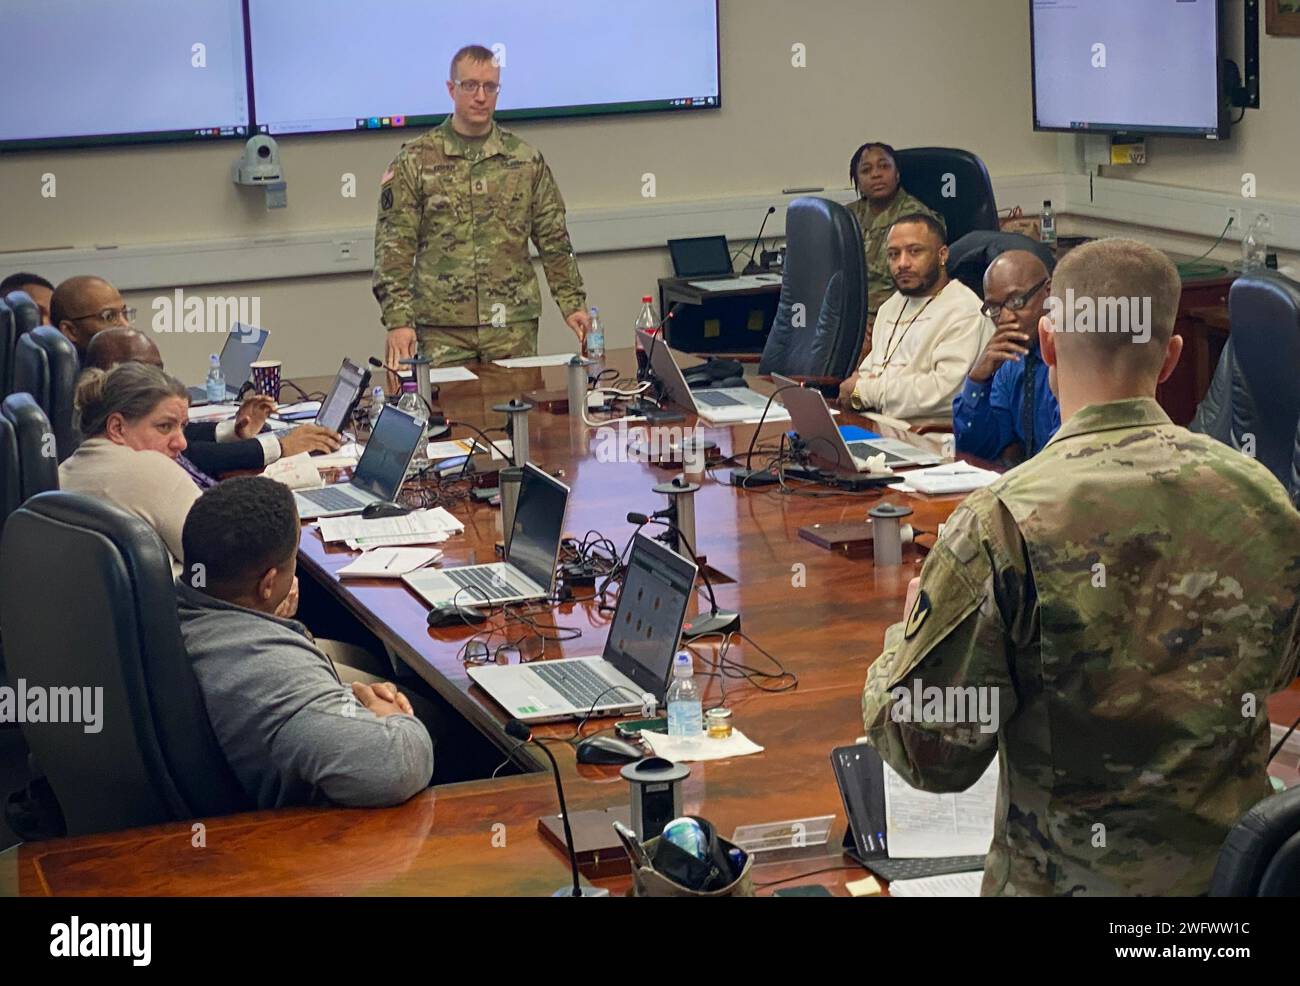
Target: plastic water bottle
[[215, 385], [596, 337], [1047, 224], [647, 321], [377, 402], [1254, 245], [410, 403], [685, 711]]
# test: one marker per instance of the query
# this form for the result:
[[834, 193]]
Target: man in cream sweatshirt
[[926, 337]]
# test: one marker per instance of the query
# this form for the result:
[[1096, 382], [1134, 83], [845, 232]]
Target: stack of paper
[[450, 374], [526, 362], [948, 885], [390, 563], [298, 472], [954, 477], [418, 527]]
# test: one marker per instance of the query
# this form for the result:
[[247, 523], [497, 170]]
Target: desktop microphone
[[749, 477], [718, 621], [643, 405], [751, 267], [520, 731], [396, 370]]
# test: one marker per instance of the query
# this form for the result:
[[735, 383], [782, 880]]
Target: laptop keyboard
[[484, 585], [577, 683], [714, 398], [915, 868], [330, 499]]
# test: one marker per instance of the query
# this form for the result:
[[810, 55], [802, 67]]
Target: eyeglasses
[[993, 309], [125, 315], [470, 87]]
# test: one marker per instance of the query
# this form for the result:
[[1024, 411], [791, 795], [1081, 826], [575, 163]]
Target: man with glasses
[[84, 305], [457, 208], [1006, 400]]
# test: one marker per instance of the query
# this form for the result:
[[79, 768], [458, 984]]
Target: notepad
[[930, 826], [389, 563]]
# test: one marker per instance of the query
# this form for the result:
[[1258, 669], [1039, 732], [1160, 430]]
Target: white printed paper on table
[[925, 825], [525, 362]]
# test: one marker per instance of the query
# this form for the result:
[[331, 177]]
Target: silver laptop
[[725, 405], [638, 657], [243, 348], [531, 554], [816, 428], [378, 475]]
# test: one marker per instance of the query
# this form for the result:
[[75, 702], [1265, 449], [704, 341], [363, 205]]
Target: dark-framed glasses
[[470, 87], [993, 309]]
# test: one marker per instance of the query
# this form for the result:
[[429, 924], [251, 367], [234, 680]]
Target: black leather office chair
[[970, 256], [1261, 855], [8, 339], [11, 484], [26, 313], [1295, 471], [87, 600], [820, 321], [925, 172], [1254, 391], [45, 366], [37, 464]]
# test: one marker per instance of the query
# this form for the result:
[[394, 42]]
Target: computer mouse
[[608, 749], [455, 616], [374, 511]]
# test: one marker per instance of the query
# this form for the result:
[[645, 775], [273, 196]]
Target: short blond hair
[[1094, 291]]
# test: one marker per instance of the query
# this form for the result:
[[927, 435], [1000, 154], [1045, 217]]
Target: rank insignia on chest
[[479, 186]]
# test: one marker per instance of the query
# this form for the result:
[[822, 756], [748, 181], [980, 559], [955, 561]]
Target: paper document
[[390, 563], [680, 750], [948, 885], [524, 362], [953, 477], [437, 523], [349, 454], [213, 412], [298, 472], [302, 407], [921, 824], [450, 374], [742, 282]]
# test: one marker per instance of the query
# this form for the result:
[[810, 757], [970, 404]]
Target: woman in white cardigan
[[132, 419]]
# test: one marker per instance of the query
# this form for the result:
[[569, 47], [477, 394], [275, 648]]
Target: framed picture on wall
[[1282, 17]]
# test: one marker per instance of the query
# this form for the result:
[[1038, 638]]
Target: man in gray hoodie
[[292, 732]]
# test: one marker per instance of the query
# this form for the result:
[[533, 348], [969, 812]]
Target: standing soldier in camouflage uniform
[[457, 208], [1129, 597]]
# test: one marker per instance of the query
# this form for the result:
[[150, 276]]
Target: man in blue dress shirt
[[1006, 400]]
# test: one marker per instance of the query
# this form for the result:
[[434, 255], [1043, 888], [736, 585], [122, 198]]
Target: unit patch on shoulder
[[920, 610]]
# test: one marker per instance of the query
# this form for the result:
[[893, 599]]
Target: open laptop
[[531, 554], [860, 774], [725, 405], [638, 656], [243, 348], [706, 262], [349, 385], [816, 428], [378, 475]]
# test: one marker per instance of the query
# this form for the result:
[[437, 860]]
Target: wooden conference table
[[822, 614]]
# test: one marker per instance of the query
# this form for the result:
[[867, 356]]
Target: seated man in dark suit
[[215, 447]]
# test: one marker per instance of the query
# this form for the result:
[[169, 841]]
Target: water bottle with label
[[1047, 224], [685, 710], [411, 403], [647, 321], [215, 386], [596, 337]]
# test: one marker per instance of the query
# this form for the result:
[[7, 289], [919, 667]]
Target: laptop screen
[[700, 256], [242, 349], [389, 452], [338, 402], [539, 524], [647, 624]]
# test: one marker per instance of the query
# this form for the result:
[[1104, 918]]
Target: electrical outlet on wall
[[1234, 217]]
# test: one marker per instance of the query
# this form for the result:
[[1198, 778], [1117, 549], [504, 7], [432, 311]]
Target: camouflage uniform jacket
[[1133, 595], [875, 234], [451, 240]]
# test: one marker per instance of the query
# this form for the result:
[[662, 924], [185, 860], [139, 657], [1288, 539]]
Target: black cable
[[1285, 736], [763, 417]]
